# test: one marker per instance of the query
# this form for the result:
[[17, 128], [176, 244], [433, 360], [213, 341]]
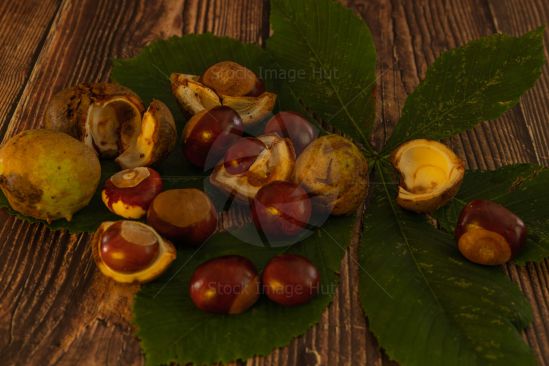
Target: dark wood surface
[[55, 308]]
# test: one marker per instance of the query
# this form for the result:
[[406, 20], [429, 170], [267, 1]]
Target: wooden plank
[[56, 308], [31, 20], [409, 36]]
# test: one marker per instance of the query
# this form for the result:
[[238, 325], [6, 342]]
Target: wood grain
[[409, 36], [54, 306]]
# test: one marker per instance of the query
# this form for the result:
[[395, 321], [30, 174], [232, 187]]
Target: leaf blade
[[440, 308], [522, 189], [466, 85], [337, 73]]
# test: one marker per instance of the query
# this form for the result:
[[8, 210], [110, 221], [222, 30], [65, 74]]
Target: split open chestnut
[[185, 216], [129, 192], [252, 164], [209, 133], [290, 280], [430, 174], [130, 251], [240, 156], [489, 233], [281, 210], [227, 285], [293, 126]]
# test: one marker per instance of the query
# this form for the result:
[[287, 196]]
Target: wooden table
[[55, 308]]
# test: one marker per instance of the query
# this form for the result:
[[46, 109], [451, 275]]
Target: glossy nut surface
[[227, 285], [281, 210], [242, 154], [290, 280], [130, 251], [185, 216], [128, 247], [129, 192], [488, 233], [293, 126], [230, 78], [209, 133]]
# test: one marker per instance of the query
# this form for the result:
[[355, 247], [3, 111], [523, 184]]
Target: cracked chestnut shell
[[335, 173], [273, 163], [232, 79], [430, 172], [226, 285], [129, 192], [185, 216], [238, 90], [130, 251], [489, 233], [112, 119]]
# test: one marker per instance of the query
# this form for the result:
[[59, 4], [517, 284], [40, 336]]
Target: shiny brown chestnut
[[290, 280], [232, 79], [488, 233], [130, 251], [281, 210], [227, 285], [293, 126], [129, 192], [185, 216], [209, 133]]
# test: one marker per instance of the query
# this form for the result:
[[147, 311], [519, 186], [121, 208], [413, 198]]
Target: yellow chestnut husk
[[194, 97], [275, 163], [251, 109], [335, 173], [430, 174], [131, 251], [48, 175], [156, 139], [109, 118]]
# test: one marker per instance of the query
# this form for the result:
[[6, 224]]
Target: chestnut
[[129, 192], [275, 162], [240, 156], [130, 251], [232, 79], [293, 126], [227, 285], [488, 233], [183, 215], [290, 280], [209, 133], [334, 172], [281, 210]]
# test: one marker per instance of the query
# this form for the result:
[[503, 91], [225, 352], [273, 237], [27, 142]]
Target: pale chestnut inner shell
[[182, 207], [112, 124], [138, 234], [427, 167], [130, 177]]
